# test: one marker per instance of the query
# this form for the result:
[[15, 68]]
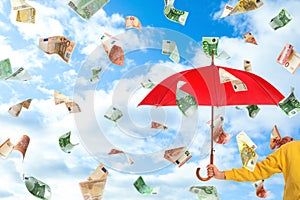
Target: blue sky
[[44, 122]]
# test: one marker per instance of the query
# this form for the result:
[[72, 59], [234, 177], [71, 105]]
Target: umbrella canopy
[[215, 86], [205, 84]]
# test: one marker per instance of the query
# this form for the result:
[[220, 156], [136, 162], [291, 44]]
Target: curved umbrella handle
[[199, 176], [198, 169]]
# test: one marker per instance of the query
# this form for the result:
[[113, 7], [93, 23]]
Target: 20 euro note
[[178, 156], [113, 49], [290, 105], [169, 47], [246, 147], [289, 58], [58, 45], [86, 8], [205, 192]]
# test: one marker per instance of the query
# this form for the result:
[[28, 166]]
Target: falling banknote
[[178, 156], [61, 98], [223, 55], [95, 74], [38, 188], [275, 138], [6, 148], [59, 45], [219, 136], [169, 47], [93, 188], [289, 58], [20, 75], [227, 10], [236, 83], [246, 148], [261, 192], [65, 142], [245, 6], [158, 125], [247, 66], [281, 19], [290, 105], [5, 68], [205, 192], [252, 110], [113, 49], [173, 14], [25, 12], [113, 114], [147, 84], [142, 188], [15, 110], [248, 37], [209, 45], [186, 103], [87, 8], [133, 22], [116, 151], [22, 145]]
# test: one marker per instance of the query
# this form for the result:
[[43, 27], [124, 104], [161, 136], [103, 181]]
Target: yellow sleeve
[[263, 170]]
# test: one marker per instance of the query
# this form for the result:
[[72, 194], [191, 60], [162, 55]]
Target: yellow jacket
[[286, 160]]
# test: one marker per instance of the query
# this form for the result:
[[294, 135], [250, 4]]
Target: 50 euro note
[[133, 22], [61, 98], [169, 47], [248, 37], [116, 151], [86, 8], [178, 156], [15, 110], [246, 147], [113, 49], [289, 58], [6, 148], [59, 45]]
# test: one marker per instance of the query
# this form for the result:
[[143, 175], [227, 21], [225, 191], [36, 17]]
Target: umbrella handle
[[198, 169]]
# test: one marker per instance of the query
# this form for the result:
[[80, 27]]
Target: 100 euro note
[[246, 147], [143, 188], [205, 192], [170, 47], [59, 45], [173, 14], [290, 105], [5, 68], [87, 8]]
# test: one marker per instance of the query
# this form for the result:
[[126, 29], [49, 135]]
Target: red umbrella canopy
[[205, 84]]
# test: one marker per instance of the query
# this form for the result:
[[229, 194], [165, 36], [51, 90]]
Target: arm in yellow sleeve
[[264, 169]]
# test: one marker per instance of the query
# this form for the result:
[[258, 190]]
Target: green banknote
[[38, 188], [141, 186], [87, 8], [252, 110], [186, 103], [290, 105], [173, 14], [148, 84], [65, 143], [209, 45], [95, 74], [205, 192], [5, 68], [280, 20]]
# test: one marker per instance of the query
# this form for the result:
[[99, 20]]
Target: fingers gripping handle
[[198, 169]]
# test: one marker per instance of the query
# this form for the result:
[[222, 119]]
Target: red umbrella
[[205, 84]]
